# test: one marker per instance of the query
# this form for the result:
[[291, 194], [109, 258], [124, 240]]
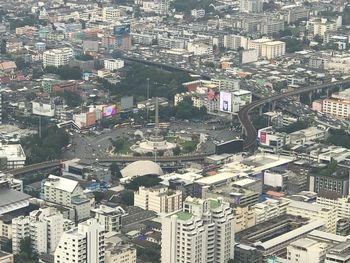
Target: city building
[[84, 243], [68, 193], [202, 232], [109, 217], [338, 105], [314, 211], [235, 42], [269, 209], [44, 227], [251, 6], [339, 253], [120, 253], [113, 64], [273, 49], [307, 250], [245, 217], [57, 57], [6, 257], [158, 199], [110, 13], [12, 156]]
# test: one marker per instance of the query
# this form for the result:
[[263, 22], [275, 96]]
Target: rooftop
[[214, 203], [183, 215]]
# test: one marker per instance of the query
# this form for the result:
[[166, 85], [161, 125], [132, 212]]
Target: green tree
[[146, 180], [71, 98], [3, 46], [177, 150], [27, 254], [115, 171], [21, 64], [127, 197]]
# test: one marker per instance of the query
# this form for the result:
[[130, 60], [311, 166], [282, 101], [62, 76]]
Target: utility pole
[[39, 126], [147, 103]]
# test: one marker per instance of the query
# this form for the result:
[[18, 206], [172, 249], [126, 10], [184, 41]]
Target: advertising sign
[[109, 110], [225, 101], [263, 137]]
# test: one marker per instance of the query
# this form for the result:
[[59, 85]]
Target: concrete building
[[341, 205], [200, 49], [120, 254], [270, 209], [109, 217], [338, 105], [158, 199], [6, 257], [273, 49], [84, 243], [314, 211], [44, 226], [198, 13], [66, 192], [171, 43], [113, 64], [235, 42], [251, 6], [57, 57], [339, 254], [12, 156], [202, 232], [307, 250], [110, 13], [245, 217]]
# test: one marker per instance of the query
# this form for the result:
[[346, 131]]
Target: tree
[[20, 63], [3, 47], [65, 72], [115, 171], [127, 197], [177, 150], [146, 180], [27, 253], [71, 98], [293, 44]]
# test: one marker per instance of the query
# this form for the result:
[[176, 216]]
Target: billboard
[[43, 109], [262, 137], [121, 30], [233, 146], [109, 110], [225, 101], [213, 95]]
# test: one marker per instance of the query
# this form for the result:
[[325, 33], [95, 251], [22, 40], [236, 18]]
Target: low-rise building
[[158, 199], [113, 64]]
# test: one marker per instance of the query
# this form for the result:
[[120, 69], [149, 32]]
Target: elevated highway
[[119, 159], [248, 127]]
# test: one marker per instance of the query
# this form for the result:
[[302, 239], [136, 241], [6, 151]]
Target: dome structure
[[141, 168]]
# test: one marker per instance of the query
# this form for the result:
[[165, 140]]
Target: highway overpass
[[248, 127]]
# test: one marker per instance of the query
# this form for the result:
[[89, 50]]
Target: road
[[243, 114]]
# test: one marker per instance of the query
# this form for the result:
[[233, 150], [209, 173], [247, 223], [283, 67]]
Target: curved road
[[243, 114]]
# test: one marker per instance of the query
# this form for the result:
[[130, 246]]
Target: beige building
[[244, 218], [273, 49], [341, 206], [120, 254], [158, 199], [314, 211], [110, 13], [338, 105], [269, 209], [6, 257], [307, 250]]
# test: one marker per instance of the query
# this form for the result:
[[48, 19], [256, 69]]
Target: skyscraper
[[82, 244], [202, 232]]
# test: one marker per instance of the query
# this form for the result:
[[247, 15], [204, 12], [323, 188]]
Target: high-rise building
[[57, 57], [202, 232], [44, 226], [251, 6], [158, 199], [84, 243], [66, 192]]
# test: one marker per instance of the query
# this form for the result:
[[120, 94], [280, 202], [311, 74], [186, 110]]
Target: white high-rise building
[[44, 226], [251, 6], [113, 64], [66, 192], [84, 244], [110, 13], [202, 232], [57, 57]]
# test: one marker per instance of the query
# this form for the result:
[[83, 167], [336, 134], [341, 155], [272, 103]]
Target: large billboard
[[225, 101], [110, 110], [43, 109], [262, 137], [233, 146], [121, 30]]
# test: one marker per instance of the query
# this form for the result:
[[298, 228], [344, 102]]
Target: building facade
[[202, 232]]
